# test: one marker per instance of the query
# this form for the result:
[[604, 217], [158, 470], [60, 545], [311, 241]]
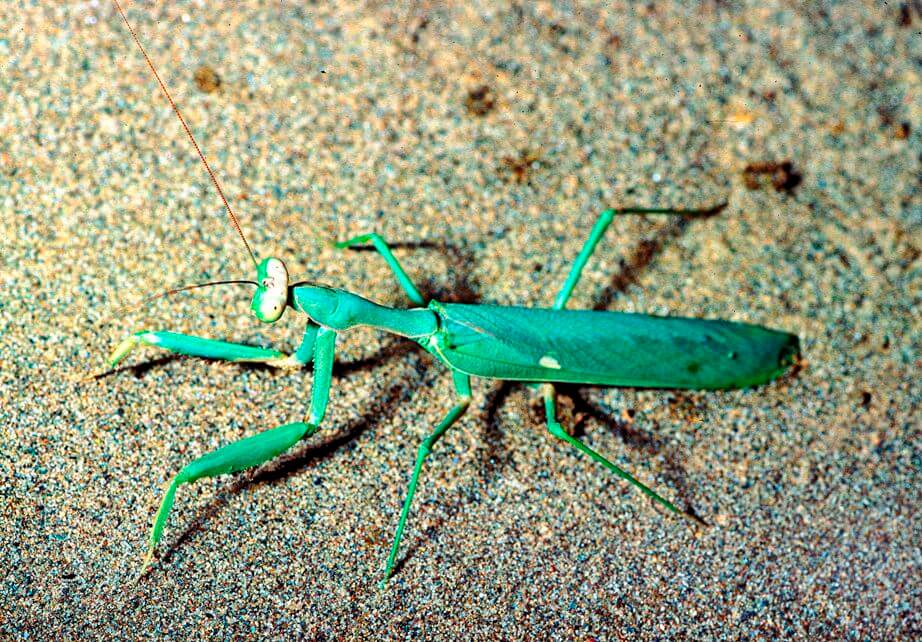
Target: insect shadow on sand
[[493, 454]]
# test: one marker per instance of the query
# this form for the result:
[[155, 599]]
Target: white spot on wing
[[548, 361]]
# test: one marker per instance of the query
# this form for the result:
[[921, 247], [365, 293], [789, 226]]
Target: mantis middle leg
[[385, 251], [256, 449], [463, 388]]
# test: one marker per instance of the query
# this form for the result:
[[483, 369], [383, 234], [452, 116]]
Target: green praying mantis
[[539, 346]]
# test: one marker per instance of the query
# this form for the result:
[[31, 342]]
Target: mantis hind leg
[[576, 270], [554, 427], [385, 251], [256, 449], [463, 387], [598, 231]]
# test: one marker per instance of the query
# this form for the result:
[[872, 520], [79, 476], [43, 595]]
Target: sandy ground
[[484, 140]]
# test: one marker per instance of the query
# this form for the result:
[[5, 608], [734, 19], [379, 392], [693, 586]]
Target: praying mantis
[[538, 346]]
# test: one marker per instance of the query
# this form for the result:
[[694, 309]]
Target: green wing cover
[[608, 348]]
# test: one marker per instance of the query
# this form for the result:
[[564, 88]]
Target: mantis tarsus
[[539, 346]]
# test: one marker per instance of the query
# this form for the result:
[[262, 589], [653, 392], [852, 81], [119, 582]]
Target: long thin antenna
[[214, 179], [184, 288]]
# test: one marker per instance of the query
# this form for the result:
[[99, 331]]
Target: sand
[[483, 141]]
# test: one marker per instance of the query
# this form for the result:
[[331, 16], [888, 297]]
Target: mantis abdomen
[[608, 348]]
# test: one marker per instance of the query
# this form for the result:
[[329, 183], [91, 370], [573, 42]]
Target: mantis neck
[[341, 310]]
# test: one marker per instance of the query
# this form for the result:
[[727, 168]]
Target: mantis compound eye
[[272, 294]]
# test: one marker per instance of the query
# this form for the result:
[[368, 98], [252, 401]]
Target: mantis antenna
[[131, 307], [214, 179]]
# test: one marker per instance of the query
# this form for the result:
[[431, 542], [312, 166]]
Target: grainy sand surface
[[328, 121]]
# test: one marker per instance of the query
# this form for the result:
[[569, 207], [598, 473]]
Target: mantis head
[[272, 290], [271, 274]]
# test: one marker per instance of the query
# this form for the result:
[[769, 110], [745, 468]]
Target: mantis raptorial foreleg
[[256, 449], [193, 346], [385, 251], [463, 388]]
